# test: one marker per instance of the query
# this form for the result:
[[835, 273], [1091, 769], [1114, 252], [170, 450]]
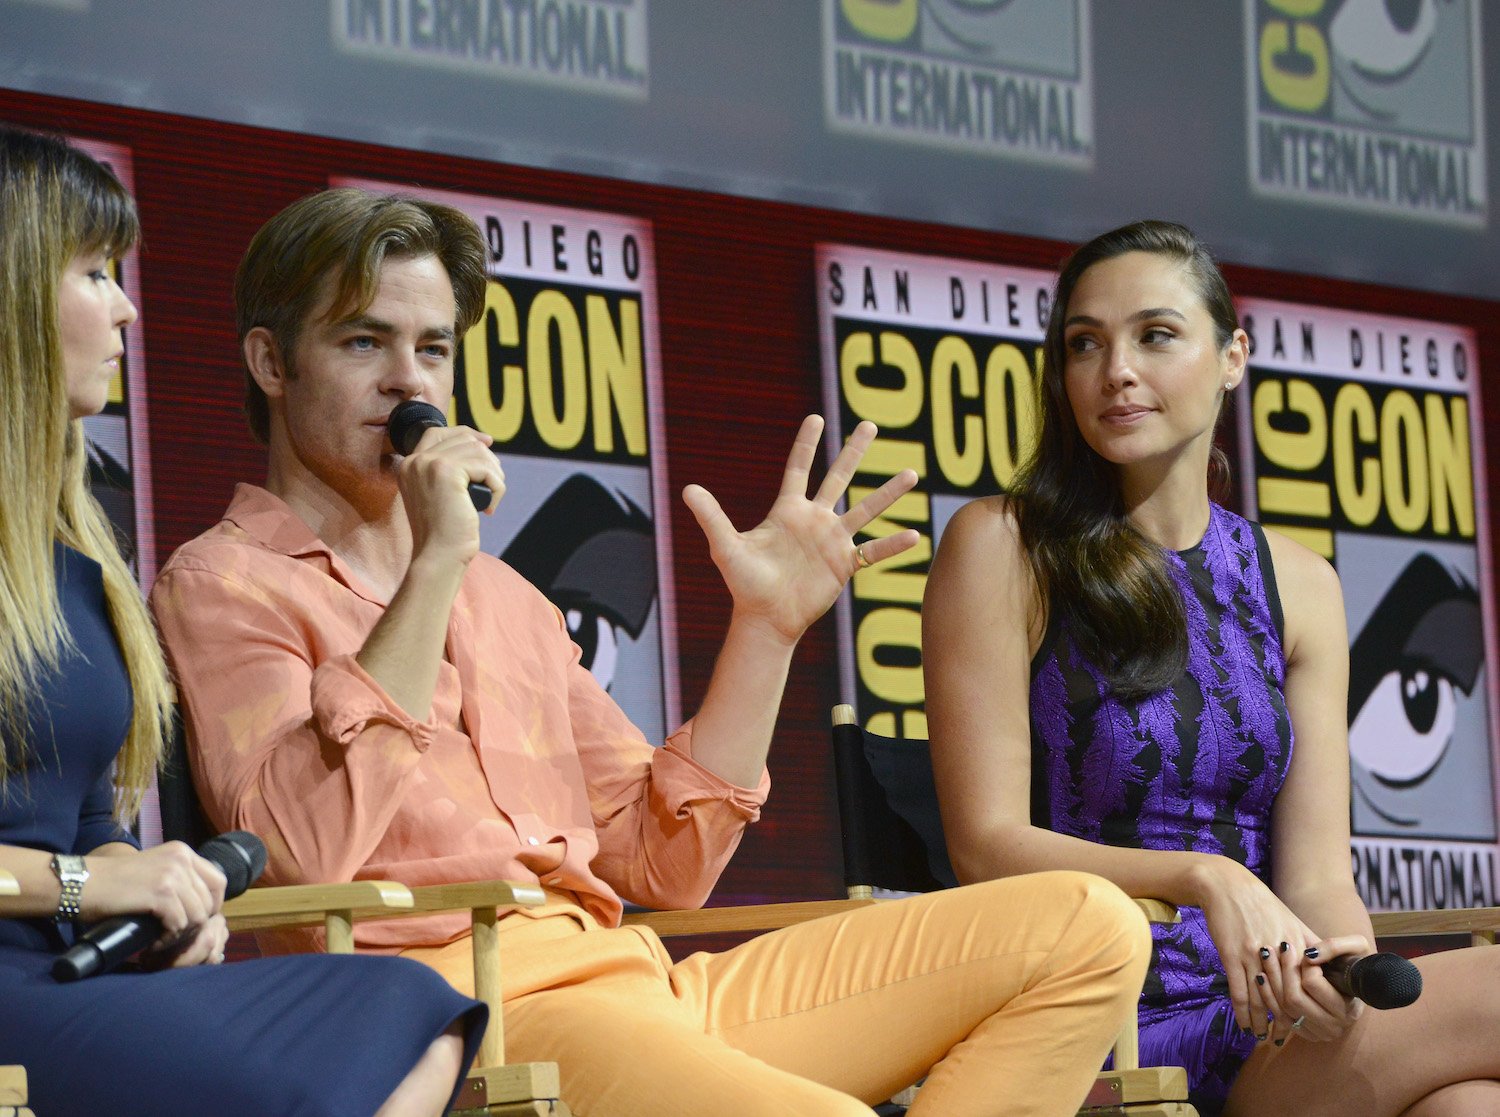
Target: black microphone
[[406, 424], [1380, 980], [240, 856]]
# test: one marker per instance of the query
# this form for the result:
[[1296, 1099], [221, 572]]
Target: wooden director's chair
[[12, 1078], [893, 842], [493, 1088]]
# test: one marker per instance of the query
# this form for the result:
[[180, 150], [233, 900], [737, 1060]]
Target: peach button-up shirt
[[525, 769]]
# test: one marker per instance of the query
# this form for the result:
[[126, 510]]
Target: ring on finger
[[860, 558]]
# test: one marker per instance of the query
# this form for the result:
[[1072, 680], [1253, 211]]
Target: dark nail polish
[[1261, 1036], [1260, 979], [1311, 952], [1285, 947], [1279, 1042], [1265, 952]]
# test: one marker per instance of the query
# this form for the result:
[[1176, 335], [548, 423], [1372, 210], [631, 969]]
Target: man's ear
[[264, 359]]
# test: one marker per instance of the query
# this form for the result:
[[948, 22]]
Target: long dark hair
[[1106, 580]]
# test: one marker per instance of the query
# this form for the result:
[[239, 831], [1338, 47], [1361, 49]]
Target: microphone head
[[240, 855], [1385, 980], [408, 420]]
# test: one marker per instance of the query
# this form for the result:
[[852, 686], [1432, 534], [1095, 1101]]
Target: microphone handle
[[479, 493], [105, 945], [1337, 975], [238, 855]]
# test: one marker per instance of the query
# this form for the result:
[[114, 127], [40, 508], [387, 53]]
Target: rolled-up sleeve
[[667, 826]]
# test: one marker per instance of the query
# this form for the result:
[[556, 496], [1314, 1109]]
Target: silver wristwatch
[[71, 874]]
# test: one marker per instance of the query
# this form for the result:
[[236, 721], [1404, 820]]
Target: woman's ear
[[264, 360], [1236, 359]]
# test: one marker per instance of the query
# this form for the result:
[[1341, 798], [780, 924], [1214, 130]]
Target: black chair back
[[182, 817], [888, 811]]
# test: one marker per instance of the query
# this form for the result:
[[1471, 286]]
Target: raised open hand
[[787, 570]]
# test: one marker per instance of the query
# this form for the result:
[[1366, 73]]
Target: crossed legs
[[1010, 990]]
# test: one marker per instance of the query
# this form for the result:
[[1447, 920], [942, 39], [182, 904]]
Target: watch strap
[[71, 875]]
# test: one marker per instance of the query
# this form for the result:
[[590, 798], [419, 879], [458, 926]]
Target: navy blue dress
[[1196, 766], [310, 1036]]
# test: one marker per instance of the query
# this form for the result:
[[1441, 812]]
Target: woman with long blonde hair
[[84, 703]]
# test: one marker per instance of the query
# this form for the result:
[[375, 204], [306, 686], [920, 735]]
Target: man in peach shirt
[[376, 698]]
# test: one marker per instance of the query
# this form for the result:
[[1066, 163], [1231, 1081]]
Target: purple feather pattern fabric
[[1196, 766]]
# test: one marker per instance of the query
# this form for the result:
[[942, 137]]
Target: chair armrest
[[12, 1085], [1158, 911], [1477, 923], [751, 917], [301, 905], [8, 885], [304, 905], [476, 894]]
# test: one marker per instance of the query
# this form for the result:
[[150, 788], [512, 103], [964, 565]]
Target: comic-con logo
[[1373, 104], [1004, 77]]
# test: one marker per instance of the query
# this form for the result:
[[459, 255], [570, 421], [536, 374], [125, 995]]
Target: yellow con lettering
[[1450, 463], [953, 360], [1410, 458], [1356, 478], [500, 421], [618, 382], [1404, 475], [1294, 60], [1293, 403], [889, 408], [1009, 397], [561, 429], [891, 634]]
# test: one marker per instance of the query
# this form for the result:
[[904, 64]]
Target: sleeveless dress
[[311, 1036], [1196, 766]]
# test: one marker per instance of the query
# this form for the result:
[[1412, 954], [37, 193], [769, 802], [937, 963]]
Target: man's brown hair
[[346, 234]]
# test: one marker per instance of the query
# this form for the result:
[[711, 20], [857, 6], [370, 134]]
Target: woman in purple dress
[[84, 698], [1124, 677]]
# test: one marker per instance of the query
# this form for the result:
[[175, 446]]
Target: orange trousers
[[1005, 995]]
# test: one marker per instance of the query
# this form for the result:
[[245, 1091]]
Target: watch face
[[70, 866]]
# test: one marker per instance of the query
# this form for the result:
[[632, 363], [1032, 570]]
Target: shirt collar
[[267, 519]]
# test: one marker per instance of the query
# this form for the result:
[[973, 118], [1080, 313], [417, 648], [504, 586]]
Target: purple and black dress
[[1195, 766]]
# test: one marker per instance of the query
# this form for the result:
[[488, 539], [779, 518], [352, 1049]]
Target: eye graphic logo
[[1419, 750], [593, 557], [1418, 655], [997, 77], [1371, 104]]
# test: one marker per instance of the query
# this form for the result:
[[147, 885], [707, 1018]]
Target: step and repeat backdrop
[[641, 337]]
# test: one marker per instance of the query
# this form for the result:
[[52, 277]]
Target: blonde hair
[[55, 203]]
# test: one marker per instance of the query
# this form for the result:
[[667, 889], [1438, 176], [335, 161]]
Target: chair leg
[[1116, 1091], [486, 946], [493, 1088], [1130, 1089]]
